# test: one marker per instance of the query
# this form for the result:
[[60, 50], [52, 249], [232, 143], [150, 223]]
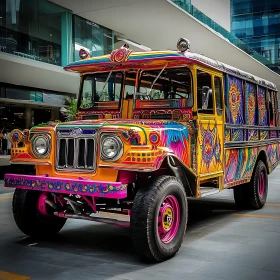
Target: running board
[[205, 191], [100, 218]]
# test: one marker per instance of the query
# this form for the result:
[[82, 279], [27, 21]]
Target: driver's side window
[[204, 93]]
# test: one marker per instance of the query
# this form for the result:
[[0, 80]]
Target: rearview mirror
[[206, 91]]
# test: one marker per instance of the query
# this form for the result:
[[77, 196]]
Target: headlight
[[41, 145], [111, 147]]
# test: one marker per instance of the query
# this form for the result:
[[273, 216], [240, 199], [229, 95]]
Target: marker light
[[84, 54], [183, 45]]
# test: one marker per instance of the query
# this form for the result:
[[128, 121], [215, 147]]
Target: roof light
[[84, 54], [183, 45]]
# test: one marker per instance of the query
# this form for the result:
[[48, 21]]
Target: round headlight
[[111, 147], [41, 145]]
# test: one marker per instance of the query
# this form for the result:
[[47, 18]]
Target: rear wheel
[[158, 219], [33, 216], [253, 194]]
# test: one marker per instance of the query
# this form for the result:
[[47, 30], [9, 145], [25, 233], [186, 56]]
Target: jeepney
[[153, 128]]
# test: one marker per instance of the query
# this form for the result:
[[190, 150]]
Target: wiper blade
[[157, 78], [106, 82]]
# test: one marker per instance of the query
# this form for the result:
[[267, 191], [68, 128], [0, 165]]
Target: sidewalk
[[5, 191], [4, 160]]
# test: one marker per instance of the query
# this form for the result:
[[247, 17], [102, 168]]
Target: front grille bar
[[76, 154]]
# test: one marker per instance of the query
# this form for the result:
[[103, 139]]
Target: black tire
[[144, 216], [247, 196], [29, 220]]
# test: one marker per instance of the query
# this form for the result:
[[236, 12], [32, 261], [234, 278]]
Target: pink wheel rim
[[168, 219], [41, 205], [261, 184]]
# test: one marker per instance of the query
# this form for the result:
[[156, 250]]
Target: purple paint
[[116, 190], [168, 219]]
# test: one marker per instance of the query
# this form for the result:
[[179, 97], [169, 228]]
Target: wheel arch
[[263, 157], [178, 169]]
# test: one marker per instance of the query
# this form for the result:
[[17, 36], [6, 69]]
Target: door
[[210, 130]]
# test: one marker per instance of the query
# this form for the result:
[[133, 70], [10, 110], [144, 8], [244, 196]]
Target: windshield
[[101, 91], [173, 85]]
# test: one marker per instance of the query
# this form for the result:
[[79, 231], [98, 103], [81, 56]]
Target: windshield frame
[[158, 100], [101, 108]]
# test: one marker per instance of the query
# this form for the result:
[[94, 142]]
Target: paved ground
[[4, 160], [220, 243]]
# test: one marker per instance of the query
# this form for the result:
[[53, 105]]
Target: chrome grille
[[75, 154]]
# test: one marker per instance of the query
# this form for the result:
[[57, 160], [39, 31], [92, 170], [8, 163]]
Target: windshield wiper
[[156, 79], [106, 82]]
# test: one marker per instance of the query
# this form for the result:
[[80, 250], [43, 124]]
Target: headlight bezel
[[120, 145], [46, 137]]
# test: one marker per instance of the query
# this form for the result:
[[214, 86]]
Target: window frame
[[160, 100], [100, 108], [213, 92], [221, 96]]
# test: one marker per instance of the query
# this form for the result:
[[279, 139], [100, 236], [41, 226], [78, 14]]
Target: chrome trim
[[119, 142], [75, 167], [49, 145]]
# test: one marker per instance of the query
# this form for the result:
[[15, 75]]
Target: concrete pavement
[[220, 243]]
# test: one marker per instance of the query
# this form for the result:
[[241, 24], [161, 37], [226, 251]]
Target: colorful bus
[[152, 129]]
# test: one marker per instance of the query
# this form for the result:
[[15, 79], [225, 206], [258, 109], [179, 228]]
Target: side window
[[271, 103], [204, 93], [262, 107], [218, 96]]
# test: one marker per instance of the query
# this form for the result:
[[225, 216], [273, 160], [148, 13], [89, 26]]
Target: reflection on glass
[[102, 90], [173, 83], [31, 29], [257, 24], [97, 40]]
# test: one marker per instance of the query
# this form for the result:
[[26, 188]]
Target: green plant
[[71, 110]]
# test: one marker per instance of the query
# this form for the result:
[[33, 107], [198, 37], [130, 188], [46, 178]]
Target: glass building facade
[[257, 24], [96, 39], [43, 31]]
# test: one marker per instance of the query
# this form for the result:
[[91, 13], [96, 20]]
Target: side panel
[[247, 132], [211, 147]]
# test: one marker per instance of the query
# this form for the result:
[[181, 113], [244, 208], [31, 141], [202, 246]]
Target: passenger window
[[204, 93], [271, 108], [218, 96]]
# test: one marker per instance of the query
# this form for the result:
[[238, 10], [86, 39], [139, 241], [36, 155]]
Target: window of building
[[266, 54], [94, 38], [204, 93], [32, 29]]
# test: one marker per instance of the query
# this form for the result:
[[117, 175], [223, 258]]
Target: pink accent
[[41, 204], [91, 204], [126, 176], [115, 190], [115, 222], [171, 204], [61, 199], [261, 184]]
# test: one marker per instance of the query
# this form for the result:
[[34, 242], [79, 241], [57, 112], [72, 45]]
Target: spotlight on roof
[[84, 54], [183, 45]]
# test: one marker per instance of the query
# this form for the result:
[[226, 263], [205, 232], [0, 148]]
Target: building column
[[28, 118], [66, 39]]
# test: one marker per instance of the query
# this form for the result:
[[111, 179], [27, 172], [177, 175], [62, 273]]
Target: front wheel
[[33, 216], [159, 218], [253, 194]]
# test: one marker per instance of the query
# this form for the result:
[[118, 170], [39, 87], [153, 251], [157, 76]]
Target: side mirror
[[206, 92]]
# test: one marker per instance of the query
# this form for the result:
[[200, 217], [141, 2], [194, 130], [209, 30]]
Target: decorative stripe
[[115, 190], [247, 144]]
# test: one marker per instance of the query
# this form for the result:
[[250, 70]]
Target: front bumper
[[116, 190]]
